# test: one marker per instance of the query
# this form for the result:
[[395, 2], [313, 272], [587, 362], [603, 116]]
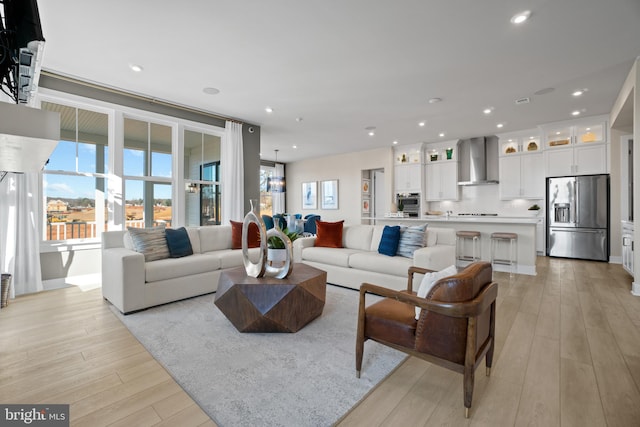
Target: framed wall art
[[366, 187], [310, 195], [366, 206], [329, 194]]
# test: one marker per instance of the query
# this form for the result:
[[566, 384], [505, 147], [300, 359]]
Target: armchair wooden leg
[[360, 335], [468, 390], [359, 353]]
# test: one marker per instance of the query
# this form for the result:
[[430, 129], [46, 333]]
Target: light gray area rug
[[261, 379]]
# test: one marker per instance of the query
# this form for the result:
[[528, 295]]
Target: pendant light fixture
[[276, 184]]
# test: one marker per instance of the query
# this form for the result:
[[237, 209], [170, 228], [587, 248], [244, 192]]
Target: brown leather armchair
[[456, 327]]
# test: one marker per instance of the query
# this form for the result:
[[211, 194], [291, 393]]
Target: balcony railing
[[87, 229]]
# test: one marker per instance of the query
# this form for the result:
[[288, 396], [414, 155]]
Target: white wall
[[347, 169]]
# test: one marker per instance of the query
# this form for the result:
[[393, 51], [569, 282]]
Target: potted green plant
[[534, 210], [276, 248]]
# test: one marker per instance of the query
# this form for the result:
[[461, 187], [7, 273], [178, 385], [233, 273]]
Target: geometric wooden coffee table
[[272, 305]]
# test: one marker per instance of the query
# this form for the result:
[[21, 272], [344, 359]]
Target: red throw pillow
[[253, 236], [329, 234]]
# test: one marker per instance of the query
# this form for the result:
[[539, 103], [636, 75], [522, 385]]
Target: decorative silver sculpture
[[261, 268]]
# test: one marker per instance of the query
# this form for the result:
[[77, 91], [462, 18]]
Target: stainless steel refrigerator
[[578, 217]]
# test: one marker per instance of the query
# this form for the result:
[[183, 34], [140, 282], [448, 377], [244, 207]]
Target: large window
[[89, 186], [202, 178], [74, 180], [147, 171]]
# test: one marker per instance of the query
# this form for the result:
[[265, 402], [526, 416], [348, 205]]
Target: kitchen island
[[524, 227]]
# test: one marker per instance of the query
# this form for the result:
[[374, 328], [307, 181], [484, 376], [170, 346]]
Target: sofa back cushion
[[194, 238], [376, 237], [330, 234], [441, 236], [214, 237], [253, 235], [357, 237]]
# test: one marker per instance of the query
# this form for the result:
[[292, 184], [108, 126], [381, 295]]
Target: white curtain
[[232, 173], [19, 236], [277, 199]]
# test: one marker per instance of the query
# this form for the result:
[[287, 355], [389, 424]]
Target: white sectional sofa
[[132, 284], [359, 261]]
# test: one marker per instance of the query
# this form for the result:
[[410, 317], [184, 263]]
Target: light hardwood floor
[[567, 354]]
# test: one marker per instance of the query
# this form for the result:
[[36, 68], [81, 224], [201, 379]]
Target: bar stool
[[512, 238], [461, 237]]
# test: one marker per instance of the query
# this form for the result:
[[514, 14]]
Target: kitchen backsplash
[[484, 199]]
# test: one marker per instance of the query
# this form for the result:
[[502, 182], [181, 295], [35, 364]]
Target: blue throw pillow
[[411, 238], [389, 241], [178, 242]]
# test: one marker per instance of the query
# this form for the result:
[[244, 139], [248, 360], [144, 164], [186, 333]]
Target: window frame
[[115, 177]]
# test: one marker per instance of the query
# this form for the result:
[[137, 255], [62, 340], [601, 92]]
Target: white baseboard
[[615, 260], [635, 289]]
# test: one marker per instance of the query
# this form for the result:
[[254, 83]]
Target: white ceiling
[[343, 65]]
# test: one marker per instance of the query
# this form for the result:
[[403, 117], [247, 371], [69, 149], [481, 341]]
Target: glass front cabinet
[[521, 165], [577, 147]]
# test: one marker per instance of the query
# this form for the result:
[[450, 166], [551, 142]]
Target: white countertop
[[468, 219]]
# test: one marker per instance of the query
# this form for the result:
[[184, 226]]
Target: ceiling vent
[[523, 101]]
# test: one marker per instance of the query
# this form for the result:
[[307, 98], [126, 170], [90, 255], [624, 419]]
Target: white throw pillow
[[430, 279]]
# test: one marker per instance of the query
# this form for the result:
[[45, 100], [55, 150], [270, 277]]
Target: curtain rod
[[135, 96]]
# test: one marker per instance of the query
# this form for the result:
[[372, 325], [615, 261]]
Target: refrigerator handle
[[576, 211]]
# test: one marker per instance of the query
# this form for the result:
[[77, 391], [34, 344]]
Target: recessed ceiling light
[[434, 100], [211, 90], [500, 125], [371, 133], [136, 68], [557, 133], [294, 146], [575, 113], [578, 92], [488, 110], [268, 110], [519, 18], [588, 128], [395, 142], [299, 119], [441, 134], [421, 124], [510, 140]]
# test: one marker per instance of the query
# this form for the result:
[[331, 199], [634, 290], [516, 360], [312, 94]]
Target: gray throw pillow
[[411, 238], [152, 242]]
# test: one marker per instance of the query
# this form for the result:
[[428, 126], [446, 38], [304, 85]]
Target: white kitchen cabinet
[[576, 147], [442, 181], [408, 178], [522, 176]]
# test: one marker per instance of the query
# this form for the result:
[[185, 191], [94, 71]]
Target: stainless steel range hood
[[28, 136], [478, 161]]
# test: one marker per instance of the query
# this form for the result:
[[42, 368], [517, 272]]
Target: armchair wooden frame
[[470, 310]]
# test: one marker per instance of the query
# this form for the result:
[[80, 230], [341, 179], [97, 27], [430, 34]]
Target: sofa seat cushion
[[378, 263], [331, 256], [171, 268], [230, 258]]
